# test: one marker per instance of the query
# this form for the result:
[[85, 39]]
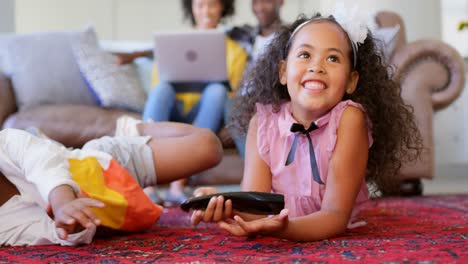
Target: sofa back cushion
[[43, 70]]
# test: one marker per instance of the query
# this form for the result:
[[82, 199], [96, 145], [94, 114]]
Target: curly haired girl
[[323, 116]]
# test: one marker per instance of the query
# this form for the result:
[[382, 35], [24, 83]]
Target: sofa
[[431, 74]]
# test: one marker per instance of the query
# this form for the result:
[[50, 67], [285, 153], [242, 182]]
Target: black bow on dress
[[299, 129]]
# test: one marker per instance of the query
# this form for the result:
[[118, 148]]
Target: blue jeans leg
[[160, 103], [211, 107], [239, 139]]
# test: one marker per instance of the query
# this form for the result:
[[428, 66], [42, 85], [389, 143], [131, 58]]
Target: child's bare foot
[[152, 193], [174, 198]]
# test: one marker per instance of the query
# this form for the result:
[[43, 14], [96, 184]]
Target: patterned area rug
[[431, 229]]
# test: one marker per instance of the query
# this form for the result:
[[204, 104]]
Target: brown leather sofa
[[431, 73], [432, 76]]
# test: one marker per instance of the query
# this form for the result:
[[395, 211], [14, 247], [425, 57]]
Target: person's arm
[[129, 57], [346, 173], [72, 214], [42, 163], [37, 159]]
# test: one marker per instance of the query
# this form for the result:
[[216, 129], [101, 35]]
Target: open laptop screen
[[194, 56]]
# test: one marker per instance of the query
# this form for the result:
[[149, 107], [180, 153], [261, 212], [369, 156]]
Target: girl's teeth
[[314, 85]]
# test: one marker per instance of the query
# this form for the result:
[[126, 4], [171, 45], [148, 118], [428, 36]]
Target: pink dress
[[303, 195]]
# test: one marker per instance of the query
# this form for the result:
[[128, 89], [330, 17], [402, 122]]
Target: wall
[[453, 12], [7, 16], [136, 19], [422, 17], [133, 20], [59, 15], [451, 136], [451, 124]]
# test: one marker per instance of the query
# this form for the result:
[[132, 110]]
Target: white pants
[[26, 223]]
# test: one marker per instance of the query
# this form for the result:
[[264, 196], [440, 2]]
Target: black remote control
[[250, 202]]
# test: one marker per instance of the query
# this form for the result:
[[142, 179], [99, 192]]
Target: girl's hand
[[264, 226], [216, 210], [75, 216]]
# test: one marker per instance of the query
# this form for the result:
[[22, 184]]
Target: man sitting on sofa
[[254, 39]]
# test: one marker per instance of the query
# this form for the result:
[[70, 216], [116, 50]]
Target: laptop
[[194, 56]]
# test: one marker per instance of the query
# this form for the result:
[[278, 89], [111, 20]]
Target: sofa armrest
[[7, 99], [438, 67], [431, 74]]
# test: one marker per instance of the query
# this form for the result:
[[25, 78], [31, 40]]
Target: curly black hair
[[228, 9], [395, 134]]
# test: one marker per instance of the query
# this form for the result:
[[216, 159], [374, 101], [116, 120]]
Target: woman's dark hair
[[395, 134], [228, 9]]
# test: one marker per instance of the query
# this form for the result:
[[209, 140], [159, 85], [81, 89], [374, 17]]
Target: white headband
[[353, 22]]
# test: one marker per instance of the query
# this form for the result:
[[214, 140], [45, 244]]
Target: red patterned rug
[[431, 229]]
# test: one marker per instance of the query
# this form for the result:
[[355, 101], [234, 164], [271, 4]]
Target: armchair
[[432, 75]]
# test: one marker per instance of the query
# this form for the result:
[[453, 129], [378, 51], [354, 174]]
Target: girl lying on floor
[[323, 116], [54, 195]]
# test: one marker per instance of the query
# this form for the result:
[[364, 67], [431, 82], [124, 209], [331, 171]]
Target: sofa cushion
[[112, 84], [43, 70]]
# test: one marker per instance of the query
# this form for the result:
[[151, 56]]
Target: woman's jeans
[[207, 113]]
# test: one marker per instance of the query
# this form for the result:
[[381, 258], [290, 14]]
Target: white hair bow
[[354, 22]]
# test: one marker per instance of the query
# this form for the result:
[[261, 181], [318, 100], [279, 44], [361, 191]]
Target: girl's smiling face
[[317, 70], [207, 13]]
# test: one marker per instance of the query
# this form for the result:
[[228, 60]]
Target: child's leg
[[181, 150]]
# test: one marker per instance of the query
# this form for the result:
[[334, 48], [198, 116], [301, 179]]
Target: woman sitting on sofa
[[203, 109]]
